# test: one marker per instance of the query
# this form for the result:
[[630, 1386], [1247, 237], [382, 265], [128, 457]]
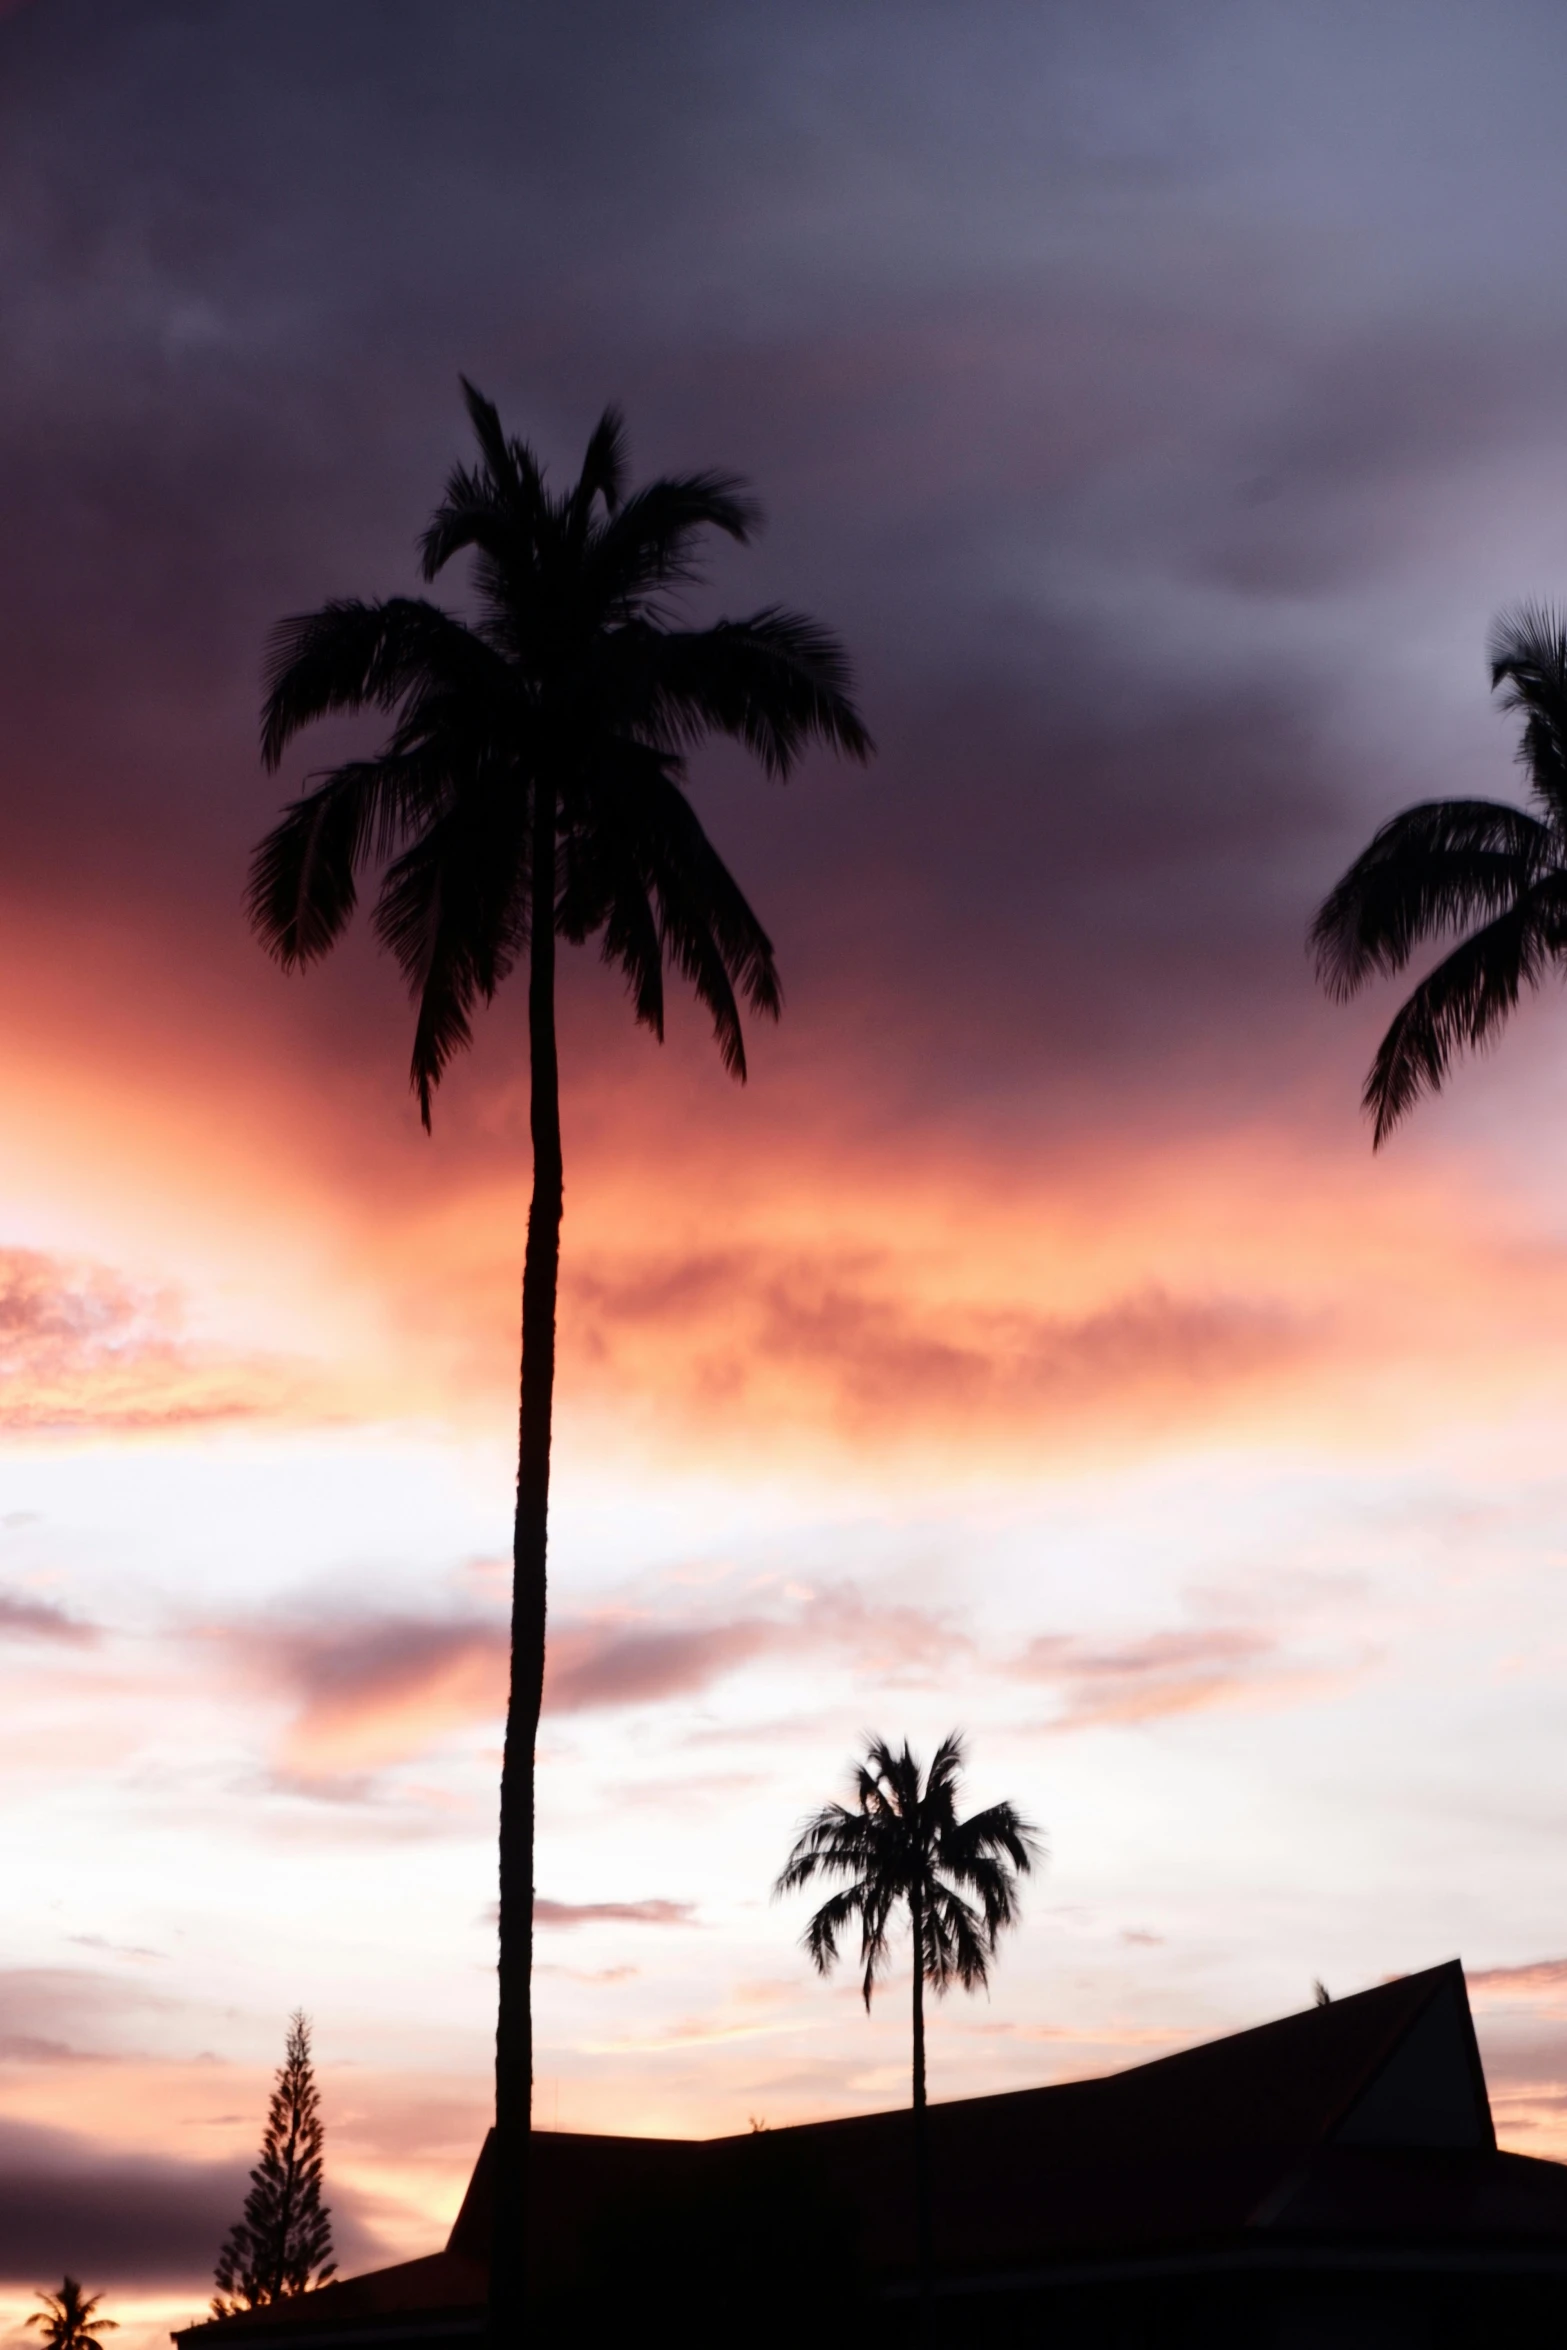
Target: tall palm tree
[[1495, 873], [529, 787], [68, 2319], [902, 1846]]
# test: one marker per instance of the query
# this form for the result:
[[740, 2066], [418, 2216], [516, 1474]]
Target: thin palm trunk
[[924, 2251], [540, 1281]]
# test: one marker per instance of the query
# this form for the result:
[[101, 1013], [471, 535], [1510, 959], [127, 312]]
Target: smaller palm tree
[[902, 1846], [69, 2319]]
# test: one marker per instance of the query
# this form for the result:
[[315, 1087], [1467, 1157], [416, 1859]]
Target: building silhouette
[[1332, 2178]]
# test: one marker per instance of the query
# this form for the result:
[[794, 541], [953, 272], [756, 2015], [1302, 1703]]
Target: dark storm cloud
[[68, 2206], [1062, 372]]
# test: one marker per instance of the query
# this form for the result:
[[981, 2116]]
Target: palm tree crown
[[1482, 867], [68, 2319], [570, 668], [902, 1846]]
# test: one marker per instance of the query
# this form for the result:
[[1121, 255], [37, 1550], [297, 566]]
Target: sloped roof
[[1366, 2118]]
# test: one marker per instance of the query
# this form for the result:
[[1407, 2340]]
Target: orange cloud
[[82, 1349], [1163, 1674], [373, 1691], [847, 1336], [1542, 1978]]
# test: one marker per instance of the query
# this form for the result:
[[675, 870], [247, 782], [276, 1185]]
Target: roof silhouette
[[1363, 2121]]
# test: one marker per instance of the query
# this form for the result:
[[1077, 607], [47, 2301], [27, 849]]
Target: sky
[[1160, 404]]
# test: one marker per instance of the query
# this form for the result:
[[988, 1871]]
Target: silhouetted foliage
[[282, 2244], [531, 786], [1321, 1996], [68, 2319], [1480, 867], [901, 1846]]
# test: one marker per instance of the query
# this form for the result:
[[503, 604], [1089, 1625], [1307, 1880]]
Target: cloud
[[60, 2014], [623, 1913], [1152, 1678], [22, 1618], [150, 2220], [847, 1341], [82, 1348], [371, 1690], [1542, 1978], [612, 1663]]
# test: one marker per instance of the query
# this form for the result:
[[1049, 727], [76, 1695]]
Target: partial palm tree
[[529, 788], [1493, 873], [901, 1847], [68, 2319]]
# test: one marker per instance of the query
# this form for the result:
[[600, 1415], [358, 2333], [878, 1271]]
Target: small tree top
[[68, 2319], [902, 1844]]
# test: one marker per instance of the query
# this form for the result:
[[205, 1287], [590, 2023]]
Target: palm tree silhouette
[[534, 761], [902, 1845], [67, 2319], [1448, 865]]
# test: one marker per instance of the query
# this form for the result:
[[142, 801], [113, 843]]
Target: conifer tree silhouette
[[282, 2243]]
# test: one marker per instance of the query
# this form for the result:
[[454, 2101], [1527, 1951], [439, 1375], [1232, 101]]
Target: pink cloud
[[843, 1334], [1148, 1679], [23, 1618], [1542, 1976], [617, 1663], [370, 1691], [618, 1913], [374, 1691], [83, 1348]]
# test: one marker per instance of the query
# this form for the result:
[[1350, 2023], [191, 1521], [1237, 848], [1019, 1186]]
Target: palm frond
[[352, 655], [973, 1848], [302, 889], [1434, 868], [499, 454], [649, 541], [833, 1842], [774, 682], [603, 474], [496, 507], [946, 1769], [1463, 1002], [959, 1946], [834, 1917], [454, 912], [1528, 657]]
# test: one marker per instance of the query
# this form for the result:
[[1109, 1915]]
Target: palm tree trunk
[[540, 1280], [923, 2246]]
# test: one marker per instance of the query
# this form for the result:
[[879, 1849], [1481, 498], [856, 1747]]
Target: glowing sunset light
[[1033, 1344]]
